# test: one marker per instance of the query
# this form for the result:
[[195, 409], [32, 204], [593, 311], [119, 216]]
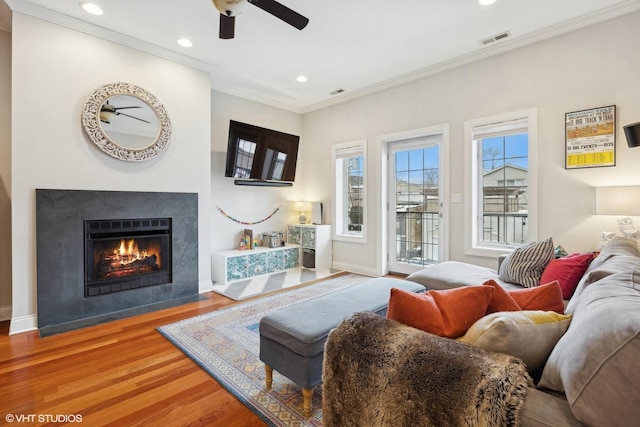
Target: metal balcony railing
[[417, 233]]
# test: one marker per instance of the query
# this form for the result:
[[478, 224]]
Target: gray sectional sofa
[[592, 375]]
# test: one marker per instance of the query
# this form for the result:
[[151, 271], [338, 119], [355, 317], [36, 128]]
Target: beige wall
[[592, 67], [54, 70], [5, 175], [247, 204]]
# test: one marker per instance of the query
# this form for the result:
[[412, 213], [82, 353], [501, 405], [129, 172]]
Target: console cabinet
[[315, 243], [228, 266]]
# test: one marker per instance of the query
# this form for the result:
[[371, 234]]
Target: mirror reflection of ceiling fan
[[229, 9], [108, 112]]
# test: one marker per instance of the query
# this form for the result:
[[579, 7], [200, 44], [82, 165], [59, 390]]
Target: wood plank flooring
[[122, 373]]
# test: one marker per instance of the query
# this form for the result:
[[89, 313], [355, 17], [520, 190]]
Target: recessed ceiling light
[[91, 8], [185, 43], [486, 2], [301, 78]]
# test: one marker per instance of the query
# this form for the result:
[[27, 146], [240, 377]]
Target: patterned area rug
[[226, 344], [268, 283]]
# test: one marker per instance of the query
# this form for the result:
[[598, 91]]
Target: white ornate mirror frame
[[92, 125]]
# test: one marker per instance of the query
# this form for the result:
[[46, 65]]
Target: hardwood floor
[[122, 373]]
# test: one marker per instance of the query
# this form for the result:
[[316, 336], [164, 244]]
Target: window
[[349, 161], [503, 182]]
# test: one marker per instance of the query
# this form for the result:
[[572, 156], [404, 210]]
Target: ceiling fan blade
[[227, 26], [282, 12], [127, 115]]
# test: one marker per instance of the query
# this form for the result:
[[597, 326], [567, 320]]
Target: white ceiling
[[357, 45]]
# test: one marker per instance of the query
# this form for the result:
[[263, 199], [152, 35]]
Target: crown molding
[[506, 45], [58, 18]]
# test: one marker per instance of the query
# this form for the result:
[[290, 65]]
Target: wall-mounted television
[[260, 156]]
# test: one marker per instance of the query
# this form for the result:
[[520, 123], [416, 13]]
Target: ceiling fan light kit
[[229, 9]]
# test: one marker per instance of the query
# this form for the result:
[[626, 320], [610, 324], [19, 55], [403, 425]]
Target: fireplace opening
[[126, 254]]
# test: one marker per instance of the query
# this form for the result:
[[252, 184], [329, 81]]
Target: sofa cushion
[[547, 297], [529, 335], [525, 265], [596, 361], [568, 271], [446, 313], [453, 274], [619, 254]]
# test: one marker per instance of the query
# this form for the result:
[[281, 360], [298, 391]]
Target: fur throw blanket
[[378, 372]]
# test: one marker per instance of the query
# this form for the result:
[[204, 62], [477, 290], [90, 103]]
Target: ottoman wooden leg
[[269, 379], [307, 394]]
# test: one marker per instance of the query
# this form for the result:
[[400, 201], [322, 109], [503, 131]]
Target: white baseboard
[[206, 286], [358, 269], [5, 313], [23, 324]]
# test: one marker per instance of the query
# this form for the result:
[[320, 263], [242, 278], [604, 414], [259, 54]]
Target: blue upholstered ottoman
[[292, 340]]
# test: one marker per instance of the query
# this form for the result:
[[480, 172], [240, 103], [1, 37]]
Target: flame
[[128, 252]]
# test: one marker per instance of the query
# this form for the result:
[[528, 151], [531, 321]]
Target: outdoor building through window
[[350, 190], [502, 180]]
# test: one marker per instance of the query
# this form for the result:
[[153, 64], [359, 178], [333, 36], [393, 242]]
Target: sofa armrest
[[501, 259]]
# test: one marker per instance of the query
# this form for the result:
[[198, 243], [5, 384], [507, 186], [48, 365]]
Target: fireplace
[[124, 254], [86, 274]]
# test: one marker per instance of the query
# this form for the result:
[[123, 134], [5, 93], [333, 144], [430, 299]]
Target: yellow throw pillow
[[529, 335]]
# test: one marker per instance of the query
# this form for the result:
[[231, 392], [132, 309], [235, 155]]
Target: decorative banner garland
[[244, 222]]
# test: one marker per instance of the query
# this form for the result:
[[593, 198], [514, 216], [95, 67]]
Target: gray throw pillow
[[526, 264]]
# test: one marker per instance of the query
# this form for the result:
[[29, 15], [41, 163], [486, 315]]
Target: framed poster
[[590, 138]]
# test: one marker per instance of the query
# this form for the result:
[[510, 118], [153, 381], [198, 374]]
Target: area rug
[[226, 344], [268, 283]]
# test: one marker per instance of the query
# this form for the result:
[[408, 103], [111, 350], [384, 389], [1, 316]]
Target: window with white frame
[[349, 170], [503, 181]]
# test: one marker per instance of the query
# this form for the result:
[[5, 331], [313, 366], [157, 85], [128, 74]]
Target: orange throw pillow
[[447, 313], [500, 300], [547, 297]]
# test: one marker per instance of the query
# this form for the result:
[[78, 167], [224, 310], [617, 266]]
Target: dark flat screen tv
[[260, 155]]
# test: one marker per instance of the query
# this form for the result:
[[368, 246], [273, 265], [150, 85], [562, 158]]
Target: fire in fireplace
[[126, 254]]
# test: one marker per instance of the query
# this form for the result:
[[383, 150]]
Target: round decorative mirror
[[126, 122]]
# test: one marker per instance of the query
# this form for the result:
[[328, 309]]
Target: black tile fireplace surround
[[61, 220]]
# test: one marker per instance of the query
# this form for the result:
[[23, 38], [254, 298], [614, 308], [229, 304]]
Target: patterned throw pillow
[[525, 265]]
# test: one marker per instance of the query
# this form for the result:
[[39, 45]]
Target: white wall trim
[[106, 34], [357, 269], [5, 313], [23, 324], [495, 49], [205, 286]]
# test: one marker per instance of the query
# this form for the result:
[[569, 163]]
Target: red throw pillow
[[568, 271], [547, 297], [447, 313]]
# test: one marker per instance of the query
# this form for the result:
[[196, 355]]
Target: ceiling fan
[[108, 112], [229, 9]]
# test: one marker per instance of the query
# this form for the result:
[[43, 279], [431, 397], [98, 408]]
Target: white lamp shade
[[617, 201], [303, 206]]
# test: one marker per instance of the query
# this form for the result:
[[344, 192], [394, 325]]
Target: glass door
[[415, 203]]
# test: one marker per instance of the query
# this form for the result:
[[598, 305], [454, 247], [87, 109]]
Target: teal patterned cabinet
[[229, 266], [315, 242]]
